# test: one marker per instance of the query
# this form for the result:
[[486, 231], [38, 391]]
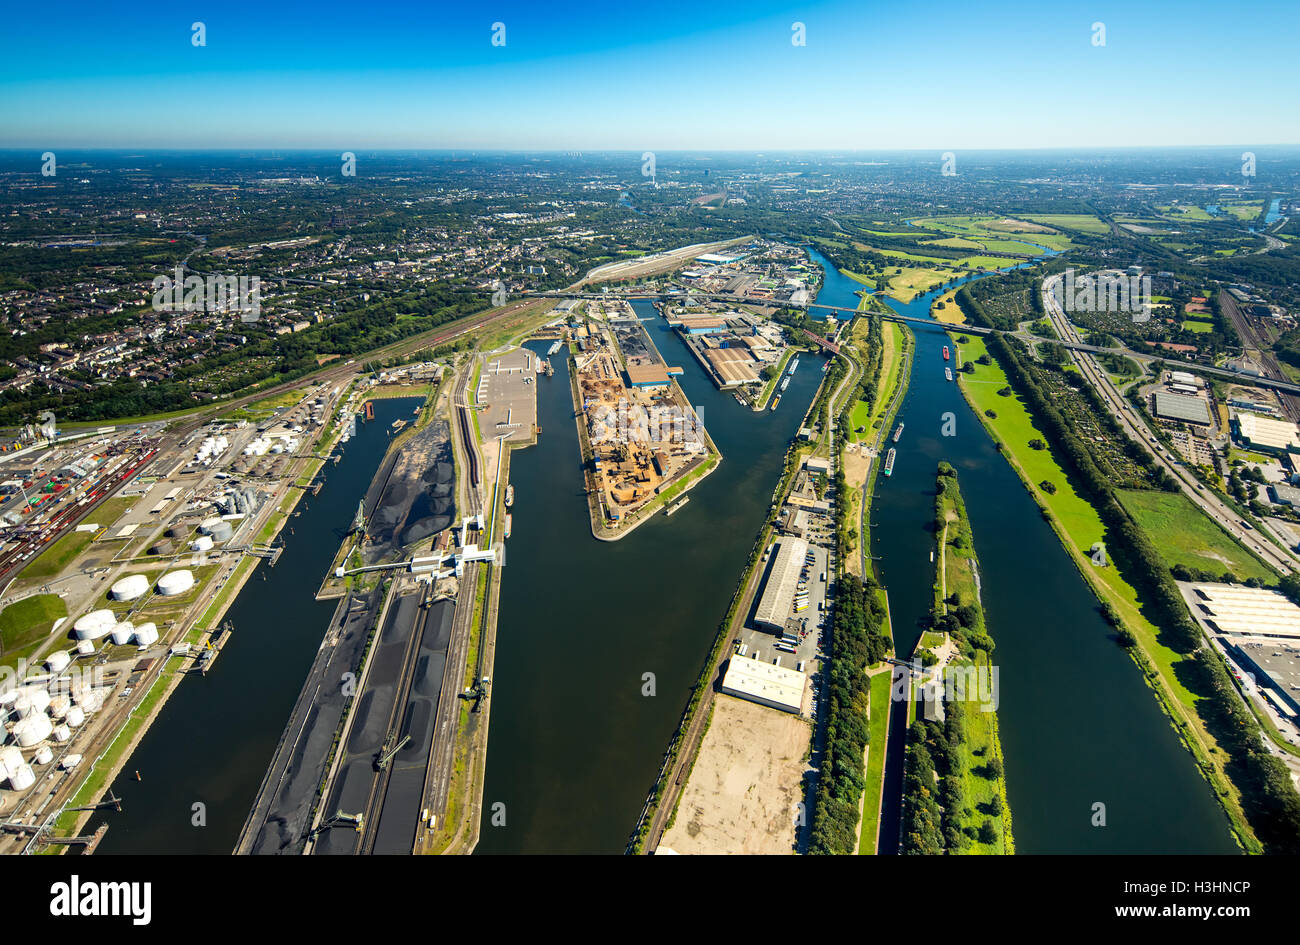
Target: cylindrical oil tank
[[202, 543], [76, 716], [10, 758], [61, 733], [33, 730], [221, 531], [175, 582], [58, 661], [129, 588], [22, 778], [146, 634], [206, 526], [85, 648], [31, 700], [121, 635], [59, 706], [43, 755], [94, 625]]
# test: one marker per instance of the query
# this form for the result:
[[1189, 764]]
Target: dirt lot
[[746, 782]]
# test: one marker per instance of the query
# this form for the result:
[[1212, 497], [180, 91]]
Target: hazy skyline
[[872, 76]]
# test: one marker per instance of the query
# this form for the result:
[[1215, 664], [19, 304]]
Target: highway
[[1136, 428]]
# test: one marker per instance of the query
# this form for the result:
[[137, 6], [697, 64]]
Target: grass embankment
[[956, 592], [1079, 528], [877, 737], [26, 624]]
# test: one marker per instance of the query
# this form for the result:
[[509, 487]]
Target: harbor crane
[[389, 750]]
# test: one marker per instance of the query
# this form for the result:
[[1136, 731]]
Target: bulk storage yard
[[142, 580]]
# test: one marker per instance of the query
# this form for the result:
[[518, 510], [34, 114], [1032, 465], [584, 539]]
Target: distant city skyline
[[1007, 75]]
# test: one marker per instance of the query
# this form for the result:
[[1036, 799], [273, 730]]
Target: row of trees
[[856, 642], [1269, 799]]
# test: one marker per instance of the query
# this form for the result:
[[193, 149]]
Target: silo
[[146, 634], [58, 661], [76, 716]]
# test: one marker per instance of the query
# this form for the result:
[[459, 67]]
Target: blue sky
[[666, 75]]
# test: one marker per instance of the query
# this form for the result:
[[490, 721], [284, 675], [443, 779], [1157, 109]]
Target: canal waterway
[[575, 746], [215, 736], [1078, 725]]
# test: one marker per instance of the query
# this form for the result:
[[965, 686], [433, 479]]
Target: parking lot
[[803, 626]]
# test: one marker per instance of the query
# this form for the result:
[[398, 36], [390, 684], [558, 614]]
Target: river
[[574, 746], [1078, 724], [214, 738]]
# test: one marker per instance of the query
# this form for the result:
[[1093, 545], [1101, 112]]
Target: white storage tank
[[94, 625], [8, 697], [10, 759], [129, 588], [122, 633], [91, 701], [58, 661], [31, 701], [146, 634], [76, 716], [221, 531], [22, 778], [175, 582], [33, 730], [206, 526], [202, 543], [61, 734], [85, 648], [43, 755], [59, 706]]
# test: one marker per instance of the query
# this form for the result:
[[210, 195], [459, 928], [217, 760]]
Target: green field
[[26, 623], [1192, 324], [1083, 222], [1184, 535]]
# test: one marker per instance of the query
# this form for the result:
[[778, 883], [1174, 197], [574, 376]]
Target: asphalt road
[[1135, 426]]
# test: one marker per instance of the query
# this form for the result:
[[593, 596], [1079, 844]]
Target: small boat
[[794, 366], [945, 352], [508, 522], [889, 461], [947, 372], [785, 383], [510, 495], [775, 400], [898, 432]]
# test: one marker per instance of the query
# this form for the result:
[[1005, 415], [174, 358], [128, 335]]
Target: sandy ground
[[746, 783]]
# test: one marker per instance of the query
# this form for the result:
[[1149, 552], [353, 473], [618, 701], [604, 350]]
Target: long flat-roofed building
[[777, 603], [1265, 433], [1183, 407], [765, 683], [1247, 613]]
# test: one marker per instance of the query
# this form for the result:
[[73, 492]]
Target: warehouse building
[[1276, 670], [1247, 613], [765, 683], [1183, 408], [777, 603], [1265, 434]]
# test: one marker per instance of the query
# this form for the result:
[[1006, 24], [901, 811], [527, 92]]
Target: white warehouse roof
[[1242, 612], [777, 603], [765, 683]]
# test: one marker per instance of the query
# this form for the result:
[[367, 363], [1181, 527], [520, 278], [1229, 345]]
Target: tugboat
[[945, 352]]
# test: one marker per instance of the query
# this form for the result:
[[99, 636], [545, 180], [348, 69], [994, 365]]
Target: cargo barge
[[889, 461]]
